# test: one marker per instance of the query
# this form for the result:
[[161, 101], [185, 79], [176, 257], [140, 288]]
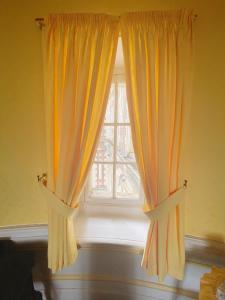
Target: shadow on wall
[[107, 271], [17, 263], [94, 276], [215, 237], [41, 272], [103, 272], [213, 253], [210, 251]]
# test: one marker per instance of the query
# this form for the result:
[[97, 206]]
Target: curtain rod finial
[[40, 22]]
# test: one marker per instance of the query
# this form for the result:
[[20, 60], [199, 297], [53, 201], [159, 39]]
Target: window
[[114, 177]]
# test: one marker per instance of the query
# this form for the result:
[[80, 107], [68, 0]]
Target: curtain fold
[[79, 54], [157, 51]]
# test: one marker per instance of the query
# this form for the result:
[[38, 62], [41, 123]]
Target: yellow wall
[[22, 142]]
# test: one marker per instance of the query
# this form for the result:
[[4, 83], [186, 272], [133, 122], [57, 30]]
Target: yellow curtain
[[79, 54], [157, 52]]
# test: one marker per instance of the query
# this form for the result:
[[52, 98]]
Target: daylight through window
[[114, 175]]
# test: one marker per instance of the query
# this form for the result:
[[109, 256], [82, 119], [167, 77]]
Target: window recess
[[114, 177]]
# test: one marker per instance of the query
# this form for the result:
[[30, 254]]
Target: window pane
[[122, 114], [101, 181], [127, 181], [124, 149], [109, 115], [105, 146]]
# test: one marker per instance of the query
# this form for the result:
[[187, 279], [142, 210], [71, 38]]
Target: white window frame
[[118, 77]]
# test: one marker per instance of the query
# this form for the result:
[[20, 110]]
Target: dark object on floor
[[16, 281]]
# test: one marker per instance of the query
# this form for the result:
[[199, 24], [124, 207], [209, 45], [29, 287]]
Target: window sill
[[111, 225]]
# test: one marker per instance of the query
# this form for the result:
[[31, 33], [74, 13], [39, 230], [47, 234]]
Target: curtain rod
[[41, 21]]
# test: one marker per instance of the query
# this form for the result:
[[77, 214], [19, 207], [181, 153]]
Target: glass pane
[[101, 181], [105, 146], [124, 149], [122, 114], [109, 115], [127, 181]]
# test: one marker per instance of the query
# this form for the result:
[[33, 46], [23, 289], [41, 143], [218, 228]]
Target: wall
[[22, 143]]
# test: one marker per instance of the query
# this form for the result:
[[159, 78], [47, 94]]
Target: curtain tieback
[[56, 203], [167, 205]]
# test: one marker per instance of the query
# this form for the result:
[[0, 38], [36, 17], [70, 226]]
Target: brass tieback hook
[[185, 183], [42, 178]]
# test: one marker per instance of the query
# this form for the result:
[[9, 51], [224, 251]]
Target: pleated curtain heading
[[79, 56]]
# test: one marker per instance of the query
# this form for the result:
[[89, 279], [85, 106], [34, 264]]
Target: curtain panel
[[157, 51], [79, 55]]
